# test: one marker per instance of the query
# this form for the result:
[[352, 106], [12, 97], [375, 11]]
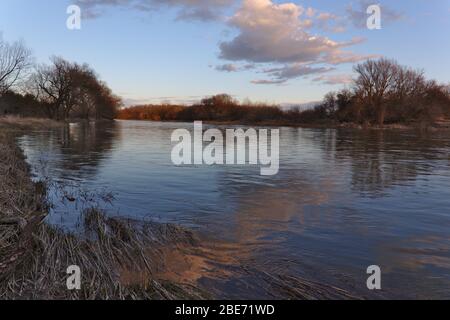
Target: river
[[343, 199]]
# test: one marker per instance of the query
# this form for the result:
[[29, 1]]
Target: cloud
[[340, 57], [200, 14], [270, 33], [334, 79], [203, 10], [330, 22], [229, 67], [357, 14], [268, 81], [294, 71], [267, 33]]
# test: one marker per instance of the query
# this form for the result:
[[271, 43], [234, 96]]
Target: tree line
[[221, 107], [382, 92], [386, 92], [59, 90]]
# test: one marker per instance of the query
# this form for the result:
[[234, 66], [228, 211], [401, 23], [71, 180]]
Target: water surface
[[343, 199]]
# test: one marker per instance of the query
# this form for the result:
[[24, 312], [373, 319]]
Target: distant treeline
[[383, 92], [220, 107], [60, 90]]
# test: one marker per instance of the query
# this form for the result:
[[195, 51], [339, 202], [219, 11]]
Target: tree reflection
[[84, 145], [383, 159]]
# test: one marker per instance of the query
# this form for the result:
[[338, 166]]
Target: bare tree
[[376, 80], [15, 61], [67, 88], [53, 85], [330, 103], [385, 90], [219, 100]]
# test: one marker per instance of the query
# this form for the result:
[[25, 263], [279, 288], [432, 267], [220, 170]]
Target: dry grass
[[117, 258], [14, 123]]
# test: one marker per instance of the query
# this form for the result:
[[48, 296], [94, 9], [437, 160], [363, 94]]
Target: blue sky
[[273, 51]]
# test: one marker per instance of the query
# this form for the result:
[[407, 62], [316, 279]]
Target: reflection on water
[[343, 199]]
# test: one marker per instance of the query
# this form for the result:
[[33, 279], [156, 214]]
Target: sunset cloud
[[270, 33], [286, 38]]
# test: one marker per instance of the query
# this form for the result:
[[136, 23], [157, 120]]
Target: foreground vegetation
[[384, 92]]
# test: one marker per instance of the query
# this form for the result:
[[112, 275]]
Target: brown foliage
[[216, 108]]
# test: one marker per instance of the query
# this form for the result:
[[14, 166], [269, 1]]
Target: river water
[[343, 199]]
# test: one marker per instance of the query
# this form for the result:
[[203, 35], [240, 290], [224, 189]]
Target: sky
[[284, 52]]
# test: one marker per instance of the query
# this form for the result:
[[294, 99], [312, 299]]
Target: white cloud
[[271, 32]]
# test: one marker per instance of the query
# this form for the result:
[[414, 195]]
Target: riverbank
[[16, 124]]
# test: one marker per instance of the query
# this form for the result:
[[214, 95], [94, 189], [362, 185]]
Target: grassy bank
[[13, 124]]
